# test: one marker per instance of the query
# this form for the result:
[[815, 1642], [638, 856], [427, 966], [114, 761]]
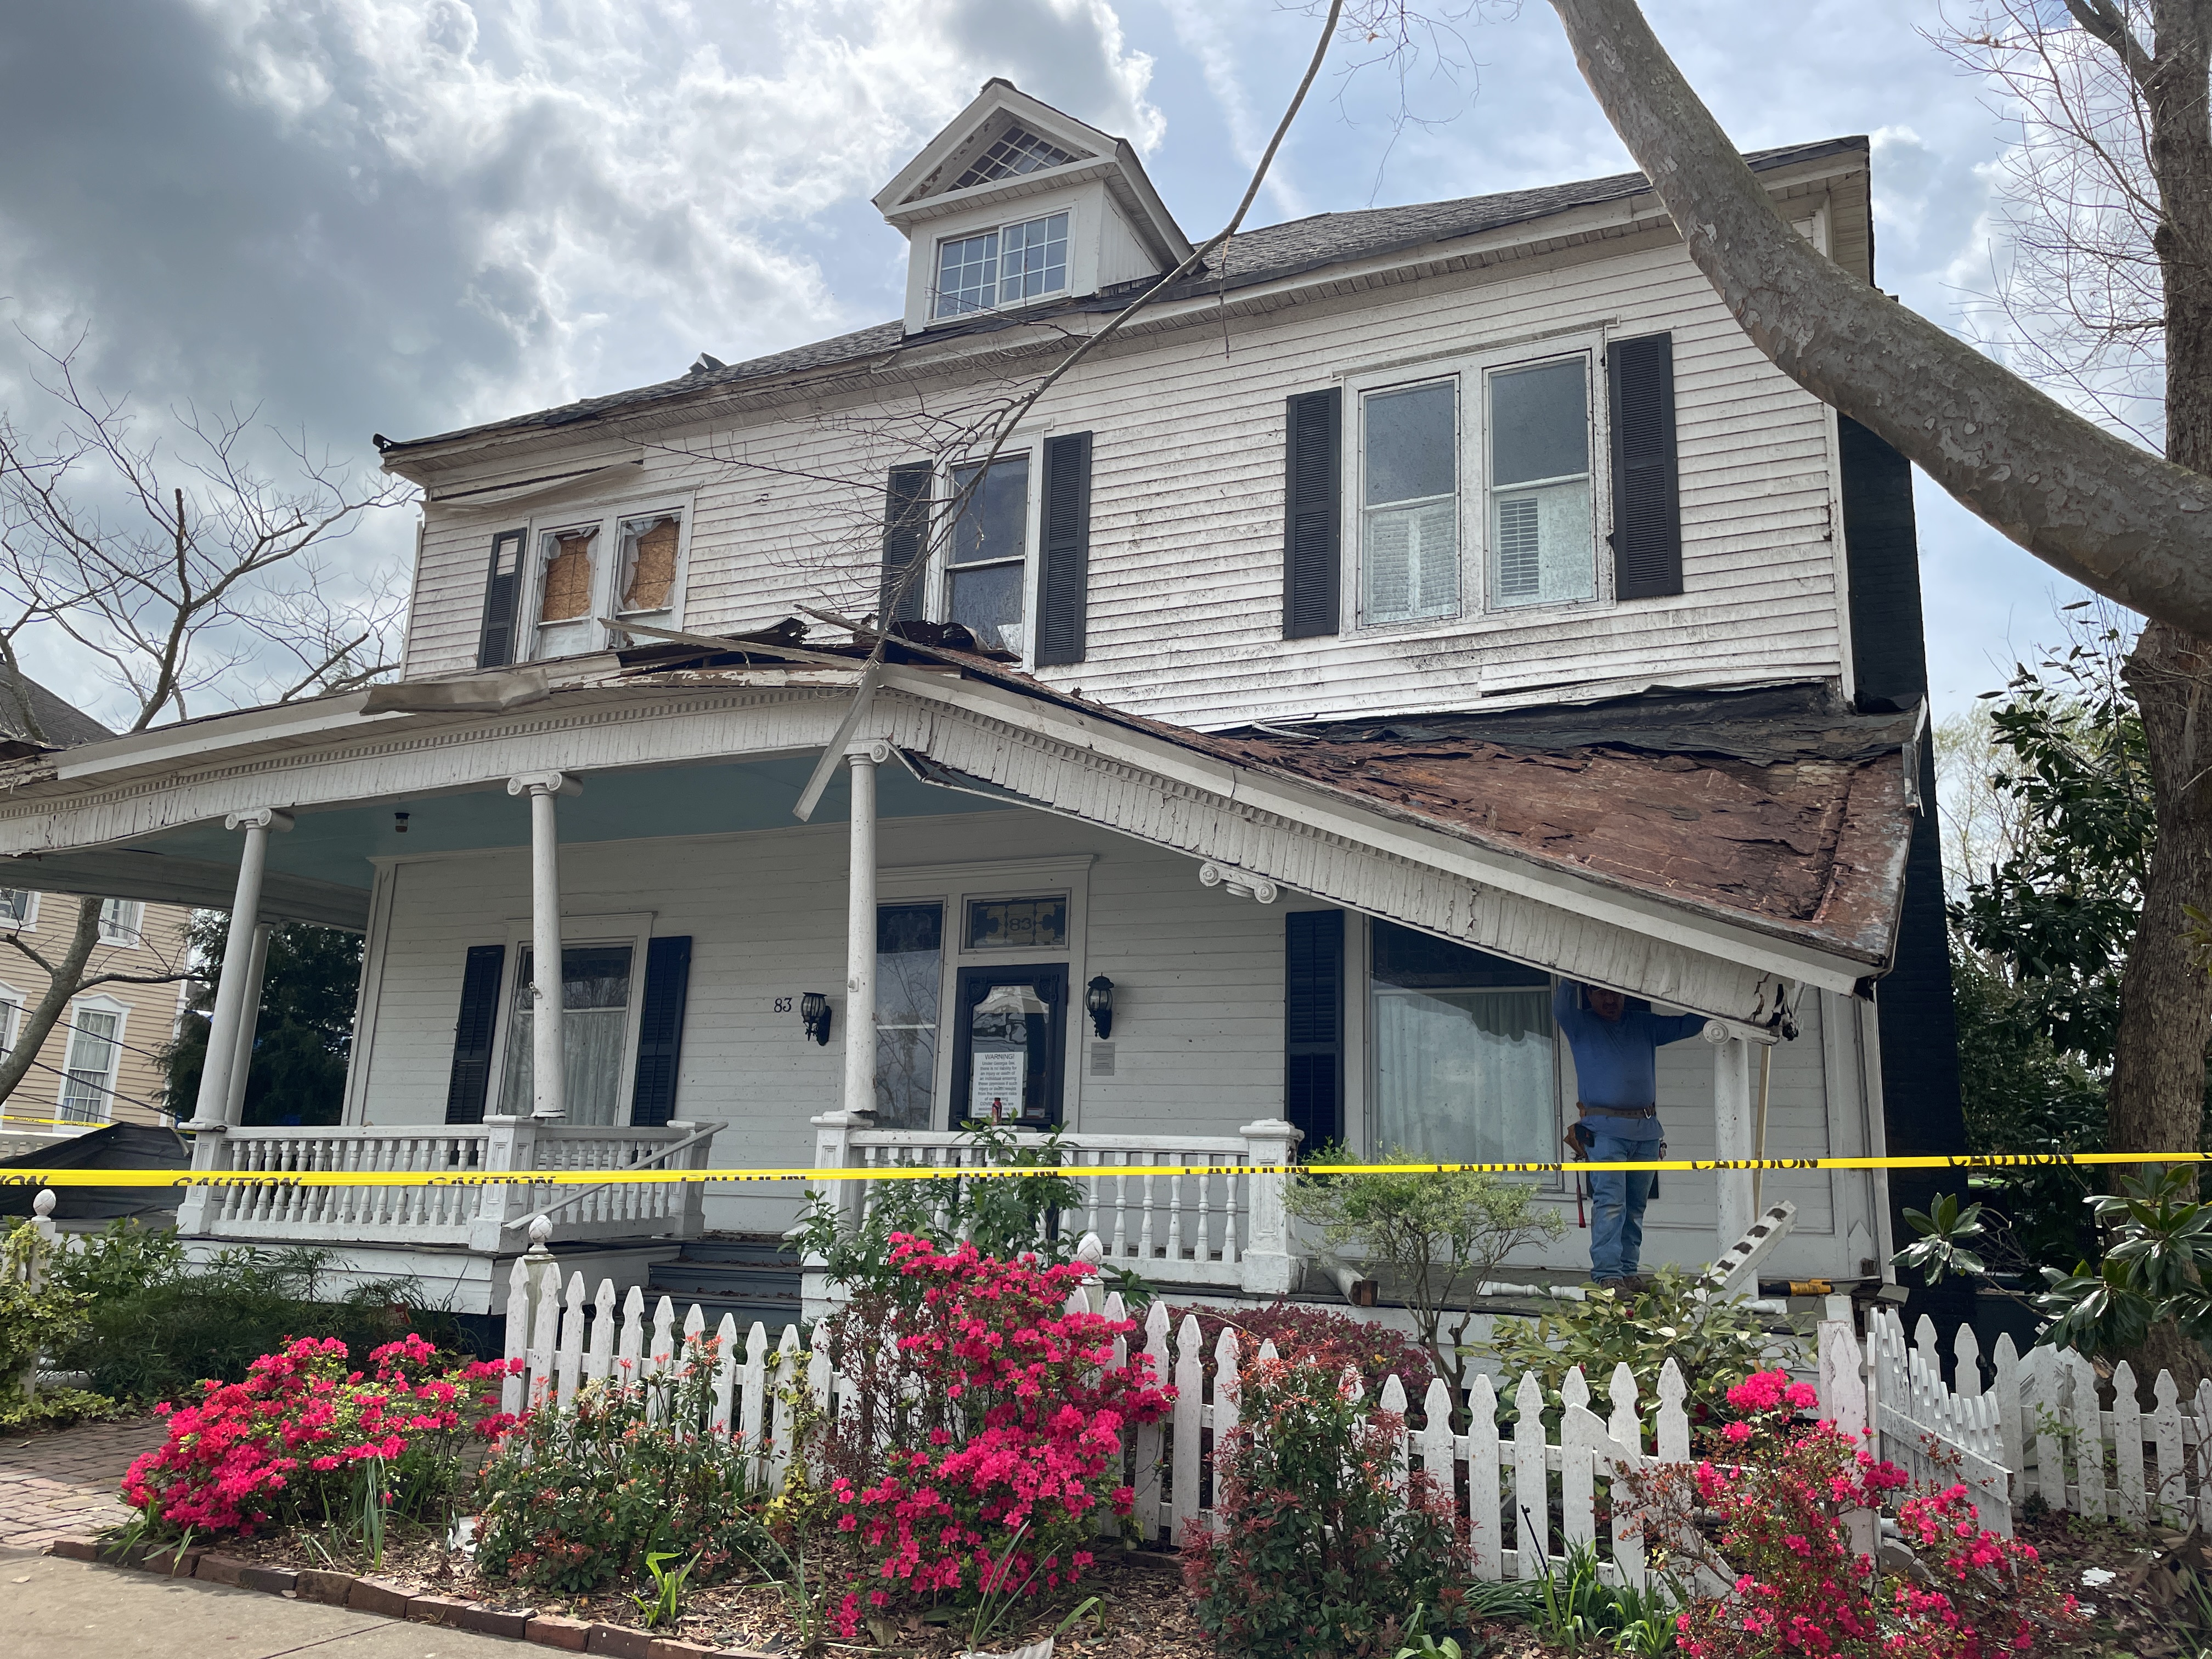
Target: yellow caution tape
[[1015, 1172]]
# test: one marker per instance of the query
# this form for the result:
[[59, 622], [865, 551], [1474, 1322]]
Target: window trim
[[11, 1021], [98, 1003], [30, 917], [942, 494], [1478, 602], [633, 928], [608, 517], [133, 938], [953, 886], [932, 293]]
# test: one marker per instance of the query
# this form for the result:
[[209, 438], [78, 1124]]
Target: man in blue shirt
[[1616, 1043]]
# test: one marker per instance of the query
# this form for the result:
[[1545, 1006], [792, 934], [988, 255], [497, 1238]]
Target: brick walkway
[[63, 1485]]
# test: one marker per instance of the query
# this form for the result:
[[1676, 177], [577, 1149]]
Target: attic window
[[1016, 152], [1005, 267]]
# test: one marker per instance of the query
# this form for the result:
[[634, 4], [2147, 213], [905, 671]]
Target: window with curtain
[[909, 977], [1409, 503], [119, 920], [88, 1070], [1462, 1051], [1543, 549], [595, 993], [18, 905]]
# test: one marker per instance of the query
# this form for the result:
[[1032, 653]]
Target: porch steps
[[753, 1276]]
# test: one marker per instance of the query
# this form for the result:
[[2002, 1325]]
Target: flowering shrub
[[291, 1443], [1798, 1586], [1005, 1413], [581, 1498], [1315, 1552], [1302, 1331]]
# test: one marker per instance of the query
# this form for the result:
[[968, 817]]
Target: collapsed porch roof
[[1690, 848]]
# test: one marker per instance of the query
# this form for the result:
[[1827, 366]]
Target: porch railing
[[1225, 1226], [434, 1213]]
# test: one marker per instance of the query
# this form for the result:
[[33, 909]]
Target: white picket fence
[[2035, 1424], [567, 1338]]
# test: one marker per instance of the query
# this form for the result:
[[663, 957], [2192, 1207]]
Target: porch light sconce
[[814, 1015], [1098, 1000], [399, 823], [1243, 883]]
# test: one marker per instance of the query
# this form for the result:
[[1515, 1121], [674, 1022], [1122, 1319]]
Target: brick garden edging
[[392, 1601]]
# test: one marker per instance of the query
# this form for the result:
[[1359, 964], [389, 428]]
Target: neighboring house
[[1416, 605], [99, 1063]]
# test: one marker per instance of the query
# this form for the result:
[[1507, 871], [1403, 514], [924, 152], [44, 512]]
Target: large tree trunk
[[2130, 525]]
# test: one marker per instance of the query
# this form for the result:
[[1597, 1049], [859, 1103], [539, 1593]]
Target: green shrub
[[156, 1327], [1716, 1341], [1314, 1552], [1438, 1235], [57, 1409], [581, 1499], [35, 1324]]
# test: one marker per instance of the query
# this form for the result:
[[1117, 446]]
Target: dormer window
[[1002, 267], [1016, 152]]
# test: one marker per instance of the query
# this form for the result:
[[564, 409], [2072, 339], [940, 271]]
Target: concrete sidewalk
[[60, 1609]]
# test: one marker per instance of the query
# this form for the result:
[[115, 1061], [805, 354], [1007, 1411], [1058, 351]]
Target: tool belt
[[1618, 1111]]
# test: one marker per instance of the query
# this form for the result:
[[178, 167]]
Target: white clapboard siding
[[1185, 597]]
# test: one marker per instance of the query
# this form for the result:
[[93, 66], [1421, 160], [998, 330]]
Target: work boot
[[1617, 1285]]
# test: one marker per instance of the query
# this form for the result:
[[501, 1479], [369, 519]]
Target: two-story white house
[[1409, 608]]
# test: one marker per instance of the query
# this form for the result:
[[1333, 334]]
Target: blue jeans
[[1617, 1199]]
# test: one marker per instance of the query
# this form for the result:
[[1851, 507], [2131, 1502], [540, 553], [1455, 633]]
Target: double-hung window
[[121, 921], [1475, 490], [19, 907], [88, 1068], [595, 994], [1005, 265], [987, 564], [626, 565]]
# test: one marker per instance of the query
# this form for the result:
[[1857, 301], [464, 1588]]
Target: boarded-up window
[[648, 562], [567, 590]]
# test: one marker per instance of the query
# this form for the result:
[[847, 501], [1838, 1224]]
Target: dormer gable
[[1015, 204]]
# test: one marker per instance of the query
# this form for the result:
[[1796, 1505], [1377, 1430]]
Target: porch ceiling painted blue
[[335, 844]]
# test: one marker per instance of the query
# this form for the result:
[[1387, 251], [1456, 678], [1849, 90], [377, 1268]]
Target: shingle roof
[[1268, 254], [47, 723]]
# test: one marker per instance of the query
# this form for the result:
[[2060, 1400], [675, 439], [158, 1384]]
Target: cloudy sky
[[405, 215]]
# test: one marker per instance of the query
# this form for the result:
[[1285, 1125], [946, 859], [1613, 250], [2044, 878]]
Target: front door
[[1009, 1045]]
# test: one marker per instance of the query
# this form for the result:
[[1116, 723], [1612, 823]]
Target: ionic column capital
[[874, 751], [545, 783], [258, 817]]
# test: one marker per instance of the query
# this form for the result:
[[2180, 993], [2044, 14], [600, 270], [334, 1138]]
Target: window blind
[[1063, 576], [1311, 534], [660, 1030], [495, 645], [1647, 509], [469, 1080], [906, 529], [1313, 1024]]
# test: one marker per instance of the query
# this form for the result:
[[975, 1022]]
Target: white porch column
[[209, 1111], [1732, 1131], [546, 1079], [861, 760], [249, 1017]]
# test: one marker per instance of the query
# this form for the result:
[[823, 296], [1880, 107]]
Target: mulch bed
[[1145, 1611]]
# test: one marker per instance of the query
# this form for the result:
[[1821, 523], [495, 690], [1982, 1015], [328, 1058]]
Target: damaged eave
[[1797, 865]]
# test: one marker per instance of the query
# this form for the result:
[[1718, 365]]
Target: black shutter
[[472, 1034], [660, 1030], [495, 645], [1647, 506], [906, 529], [1312, 537], [1064, 578], [1313, 1024]]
